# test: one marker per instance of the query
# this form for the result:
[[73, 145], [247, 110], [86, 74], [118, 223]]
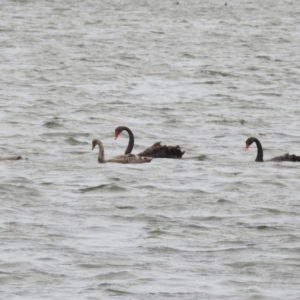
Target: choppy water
[[213, 225]]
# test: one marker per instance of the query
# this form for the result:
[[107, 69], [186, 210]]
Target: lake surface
[[205, 75]]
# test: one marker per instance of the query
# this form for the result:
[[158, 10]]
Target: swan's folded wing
[[162, 151], [286, 157]]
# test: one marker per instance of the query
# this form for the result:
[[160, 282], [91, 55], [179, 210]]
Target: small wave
[[125, 207], [216, 73], [201, 157], [224, 201], [224, 121], [211, 82], [65, 133], [164, 251], [197, 227], [273, 211], [115, 275], [265, 227], [72, 141], [188, 55], [264, 57], [171, 121], [271, 94], [116, 292], [146, 186], [157, 32], [157, 232], [259, 227], [107, 187], [42, 78], [51, 124]]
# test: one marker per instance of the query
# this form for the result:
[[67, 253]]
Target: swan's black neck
[[131, 138], [260, 154]]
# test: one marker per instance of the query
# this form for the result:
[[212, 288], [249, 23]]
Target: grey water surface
[[205, 75]]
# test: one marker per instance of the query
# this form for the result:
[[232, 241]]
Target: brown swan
[[122, 159], [156, 150], [260, 154], [11, 158]]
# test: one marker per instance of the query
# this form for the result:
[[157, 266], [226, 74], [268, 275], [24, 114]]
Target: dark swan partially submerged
[[260, 154], [122, 159], [15, 157], [156, 150]]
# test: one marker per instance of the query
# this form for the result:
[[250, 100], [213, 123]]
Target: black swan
[[156, 150], [122, 159], [11, 158], [260, 154]]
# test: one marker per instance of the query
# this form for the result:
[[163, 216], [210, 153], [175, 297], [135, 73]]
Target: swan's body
[[162, 151], [11, 158], [122, 159], [260, 154], [156, 150]]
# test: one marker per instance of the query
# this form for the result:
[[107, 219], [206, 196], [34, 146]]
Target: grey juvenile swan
[[260, 154], [156, 150], [122, 159]]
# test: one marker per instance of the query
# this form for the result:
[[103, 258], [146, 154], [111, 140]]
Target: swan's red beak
[[247, 146], [116, 134]]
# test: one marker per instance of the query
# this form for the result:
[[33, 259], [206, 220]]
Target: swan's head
[[116, 134], [94, 143], [119, 129], [249, 141]]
